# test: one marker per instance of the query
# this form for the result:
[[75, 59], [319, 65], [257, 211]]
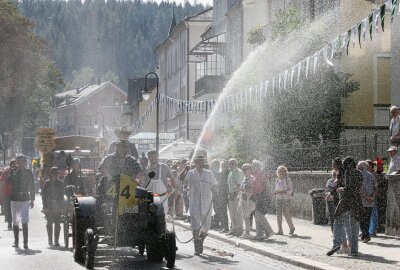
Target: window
[[103, 100], [382, 88], [115, 101]]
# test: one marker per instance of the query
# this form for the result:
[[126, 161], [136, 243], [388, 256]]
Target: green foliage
[[286, 21], [105, 36], [257, 35], [28, 81], [312, 107]]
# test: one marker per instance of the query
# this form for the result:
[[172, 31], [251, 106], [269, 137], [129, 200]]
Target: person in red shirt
[[7, 191]]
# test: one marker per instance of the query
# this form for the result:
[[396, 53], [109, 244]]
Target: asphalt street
[[217, 255]]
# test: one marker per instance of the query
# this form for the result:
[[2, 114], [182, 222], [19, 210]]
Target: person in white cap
[[394, 166], [201, 184]]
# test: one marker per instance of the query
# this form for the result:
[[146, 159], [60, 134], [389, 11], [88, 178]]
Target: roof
[[76, 96], [204, 16]]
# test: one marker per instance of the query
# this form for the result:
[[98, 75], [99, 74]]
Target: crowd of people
[[220, 196]]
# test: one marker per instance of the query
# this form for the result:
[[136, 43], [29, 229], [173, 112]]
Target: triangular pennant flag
[[382, 14], [359, 33], [364, 27], [344, 37], [394, 5], [266, 88], [279, 82], [298, 71], [377, 14], [334, 45], [285, 76], [325, 54], [307, 65], [291, 77], [273, 86], [370, 23], [315, 56], [348, 41], [353, 35]]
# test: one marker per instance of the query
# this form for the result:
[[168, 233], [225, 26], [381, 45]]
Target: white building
[[177, 74]]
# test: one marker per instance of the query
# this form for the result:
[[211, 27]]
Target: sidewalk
[[310, 243]]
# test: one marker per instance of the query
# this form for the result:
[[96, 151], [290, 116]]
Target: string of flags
[[287, 78]]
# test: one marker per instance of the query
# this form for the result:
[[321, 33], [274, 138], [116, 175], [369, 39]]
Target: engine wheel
[[78, 232], [90, 249], [170, 249], [154, 251]]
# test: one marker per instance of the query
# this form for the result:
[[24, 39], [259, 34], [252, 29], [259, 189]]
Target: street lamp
[[146, 95], [95, 123]]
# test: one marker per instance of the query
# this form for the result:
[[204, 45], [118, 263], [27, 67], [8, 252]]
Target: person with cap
[[235, 178], [22, 197], [53, 205], [118, 163], [162, 179], [73, 182], [123, 134], [201, 184], [394, 166]]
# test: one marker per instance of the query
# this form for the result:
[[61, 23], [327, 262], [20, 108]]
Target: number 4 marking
[[125, 192]]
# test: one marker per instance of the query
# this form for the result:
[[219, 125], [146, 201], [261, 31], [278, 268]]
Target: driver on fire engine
[[117, 163]]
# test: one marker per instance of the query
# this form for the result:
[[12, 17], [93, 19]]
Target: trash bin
[[318, 206]]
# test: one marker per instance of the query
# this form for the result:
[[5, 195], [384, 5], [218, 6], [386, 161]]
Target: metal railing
[[318, 155]]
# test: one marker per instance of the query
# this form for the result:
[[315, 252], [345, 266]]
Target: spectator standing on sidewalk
[[262, 197], [235, 178], [22, 197], [246, 204], [394, 166], [368, 195], [349, 210], [7, 189], [201, 184], [394, 126], [283, 194], [223, 194], [216, 219], [330, 186], [53, 205], [373, 225]]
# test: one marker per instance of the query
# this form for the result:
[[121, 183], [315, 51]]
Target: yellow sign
[[45, 139], [127, 203]]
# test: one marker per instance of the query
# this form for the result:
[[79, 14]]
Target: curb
[[269, 252]]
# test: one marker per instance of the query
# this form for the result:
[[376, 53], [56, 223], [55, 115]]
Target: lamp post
[[95, 123], [146, 95]]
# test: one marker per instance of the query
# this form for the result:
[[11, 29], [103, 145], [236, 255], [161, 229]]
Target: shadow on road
[[27, 252]]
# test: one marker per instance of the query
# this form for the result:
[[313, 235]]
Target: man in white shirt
[[201, 183], [394, 165]]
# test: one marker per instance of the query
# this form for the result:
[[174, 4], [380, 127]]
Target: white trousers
[[20, 211]]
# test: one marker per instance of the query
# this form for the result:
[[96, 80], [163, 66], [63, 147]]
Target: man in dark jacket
[[22, 196], [53, 204]]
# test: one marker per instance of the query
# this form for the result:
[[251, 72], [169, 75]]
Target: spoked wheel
[[170, 249], [90, 249]]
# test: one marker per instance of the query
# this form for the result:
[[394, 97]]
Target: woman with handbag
[[261, 198]]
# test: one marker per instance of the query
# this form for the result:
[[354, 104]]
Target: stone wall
[[302, 183], [393, 206]]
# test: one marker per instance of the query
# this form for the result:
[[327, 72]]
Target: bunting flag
[[241, 99]]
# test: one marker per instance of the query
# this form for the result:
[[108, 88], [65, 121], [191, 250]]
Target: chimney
[[98, 81], [77, 90]]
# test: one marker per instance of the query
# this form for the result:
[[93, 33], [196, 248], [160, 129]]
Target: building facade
[[94, 110], [177, 75]]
